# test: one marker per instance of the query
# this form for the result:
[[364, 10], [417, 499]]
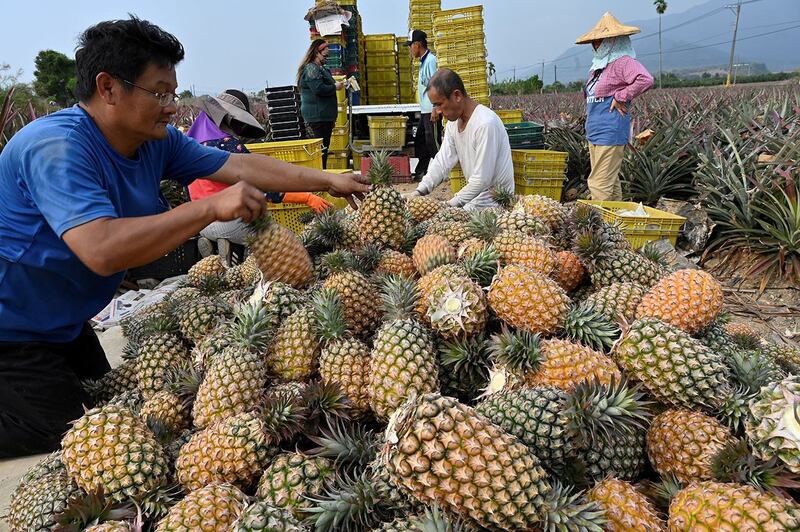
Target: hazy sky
[[250, 44]]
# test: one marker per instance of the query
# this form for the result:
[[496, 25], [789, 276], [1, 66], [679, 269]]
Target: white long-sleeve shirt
[[484, 152]]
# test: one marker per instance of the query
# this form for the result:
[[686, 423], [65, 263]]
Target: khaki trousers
[[604, 180]]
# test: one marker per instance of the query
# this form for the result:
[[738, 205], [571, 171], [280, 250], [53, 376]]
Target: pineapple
[[198, 317], [675, 368], [158, 354], [432, 251], [623, 455], [617, 301], [569, 270], [688, 299], [169, 410], [110, 448], [528, 300], [545, 209], [261, 517], [212, 507], [553, 423], [423, 208], [470, 247], [382, 215], [442, 452], [395, 263], [281, 301], [294, 353], [291, 478], [121, 379], [279, 253], [786, 356], [457, 308], [464, 367], [520, 249], [774, 429], [608, 264], [430, 280], [625, 508], [403, 360], [232, 449], [716, 506], [344, 360], [522, 222], [212, 345], [357, 295], [136, 326], [211, 267], [39, 499], [683, 443], [243, 275], [743, 334]]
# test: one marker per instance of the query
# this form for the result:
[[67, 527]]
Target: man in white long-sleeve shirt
[[475, 137]]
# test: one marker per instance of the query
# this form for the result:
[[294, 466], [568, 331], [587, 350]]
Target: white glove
[[412, 194]]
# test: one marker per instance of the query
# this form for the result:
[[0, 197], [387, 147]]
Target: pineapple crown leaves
[[251, 326], [339, 261], [262, 223], [503, 197], [349, 504], [399, 296], [663, 491], [324, 402], [736, 463], [160, 323], [482, 265], [466, 357], [591, 246], [566, 510], [211, 285], [734, 408], [435, 520], [329, 314], [650, 251], [184, 381], [381, 171], [590, 327], [483, 224], [87, 509], [517, 350], [283, 415], [412, 235], [368, 257], [598, 410], [131, 350], [328, 228], [753, 370], [351, 446]]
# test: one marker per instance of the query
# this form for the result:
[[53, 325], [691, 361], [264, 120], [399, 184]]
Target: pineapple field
[[412, 366]]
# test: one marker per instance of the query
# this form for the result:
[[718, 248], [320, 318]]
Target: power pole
[[738, 7], [542, 89], [515, 73], [555, 73], [660, 62]]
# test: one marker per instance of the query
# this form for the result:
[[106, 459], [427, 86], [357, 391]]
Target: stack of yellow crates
[[339, 149], [420, 17], [408, 88], [461, 46], [382, 79]]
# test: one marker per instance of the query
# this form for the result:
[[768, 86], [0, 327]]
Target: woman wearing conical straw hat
[[615, 79]]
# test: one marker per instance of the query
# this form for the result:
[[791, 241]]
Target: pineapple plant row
[[409, 366]]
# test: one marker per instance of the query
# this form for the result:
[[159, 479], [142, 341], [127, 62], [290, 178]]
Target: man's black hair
[[424, 43], [445, 81], [123, 48]]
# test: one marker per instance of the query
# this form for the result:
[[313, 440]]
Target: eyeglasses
[[164, 98]]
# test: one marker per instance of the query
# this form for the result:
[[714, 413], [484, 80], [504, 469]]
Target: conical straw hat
[[608, 26]]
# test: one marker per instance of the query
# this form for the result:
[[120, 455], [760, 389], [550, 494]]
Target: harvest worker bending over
[[80, 205], [475, 137]]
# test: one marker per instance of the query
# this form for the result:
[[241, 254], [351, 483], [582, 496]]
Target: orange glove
[[316, 203]]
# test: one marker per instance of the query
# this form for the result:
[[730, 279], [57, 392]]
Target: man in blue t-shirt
[[80, 205]]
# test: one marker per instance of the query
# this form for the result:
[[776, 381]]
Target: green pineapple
[[197, 317], [294, 353], [382, 214], [261, 517], [291, 478], [609, 264]]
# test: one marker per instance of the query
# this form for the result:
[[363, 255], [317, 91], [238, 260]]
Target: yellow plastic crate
[[387, 131], [538, 156], [461, 14], [510, 116], [639, 230], [382, 42], [339, 143], [457, 179], [288, 215], [381, 59], [342, 118], [338, 160], [341, 94], [306, 152], [550, 187], [382, 75]]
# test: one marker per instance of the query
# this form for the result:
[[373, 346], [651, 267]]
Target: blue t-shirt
[[57, 173]]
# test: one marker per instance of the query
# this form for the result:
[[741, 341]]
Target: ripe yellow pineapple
[[625, 508], [528, 300], [455, 232], [423, 208], [157, 355], [443, 453], [518, 248], [617, 301], [168, 409], [569, 270], [361, 307], [213, 507], [294, 352], [110, 448], [396, 263], [457, 308], [432, 251], [344, 360], [717, 506], [523, 222], [211, 267], [403, 359], [279, 253], [684, 442], [545, 209], [382, 215], [688, 299]]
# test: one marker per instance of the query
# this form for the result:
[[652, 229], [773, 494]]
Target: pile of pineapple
[[411, 366]]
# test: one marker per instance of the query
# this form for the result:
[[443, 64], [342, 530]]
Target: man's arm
[[270, 174], [110, 245]]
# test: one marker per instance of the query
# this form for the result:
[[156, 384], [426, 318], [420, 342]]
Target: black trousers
[[41, 392], [323, 130], [426, 142]]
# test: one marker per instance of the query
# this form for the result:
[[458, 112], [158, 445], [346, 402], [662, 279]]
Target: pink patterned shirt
[[624, 79]]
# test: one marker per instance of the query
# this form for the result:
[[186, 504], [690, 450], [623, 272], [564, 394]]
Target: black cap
[[417, 36]]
